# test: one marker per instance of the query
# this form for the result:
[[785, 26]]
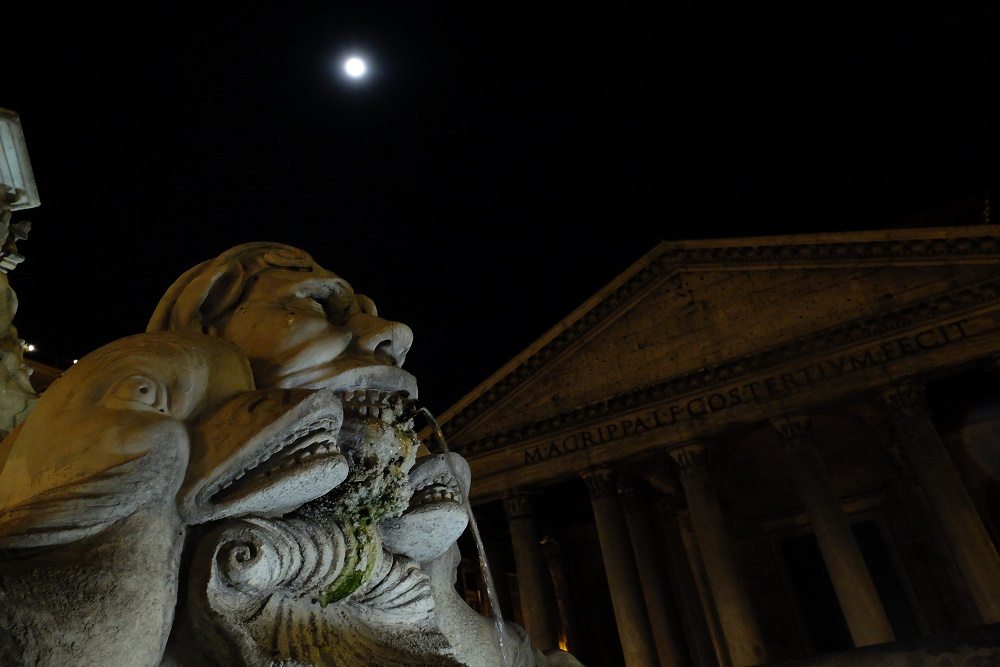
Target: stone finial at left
[[17, 188]]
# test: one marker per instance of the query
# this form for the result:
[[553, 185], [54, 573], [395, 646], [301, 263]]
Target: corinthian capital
[[601, 482], [905, 400], [519, 503], [632, 495], [795, 431], [691, 459]]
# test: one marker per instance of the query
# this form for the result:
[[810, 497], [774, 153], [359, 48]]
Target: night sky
[[503, 162]]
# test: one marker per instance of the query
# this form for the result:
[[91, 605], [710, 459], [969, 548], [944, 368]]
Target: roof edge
[[560, 326], [902, 234]]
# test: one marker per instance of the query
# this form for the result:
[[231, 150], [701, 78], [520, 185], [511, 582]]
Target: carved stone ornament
[[601, 482], [99, 484], [17, 396], [905, 400], [300, 325], [256, 452], [966, 248], [794, 431], [519, 503], [691, 459], [632, 495]]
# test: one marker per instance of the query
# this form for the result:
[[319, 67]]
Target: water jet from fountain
[[484, 565]]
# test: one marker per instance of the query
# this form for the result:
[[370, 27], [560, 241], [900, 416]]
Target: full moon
[[355, 67]]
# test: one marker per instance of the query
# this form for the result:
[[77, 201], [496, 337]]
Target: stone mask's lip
[[346, 374]]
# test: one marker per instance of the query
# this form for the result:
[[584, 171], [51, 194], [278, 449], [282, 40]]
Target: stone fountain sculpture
[[243, 480], [17, 396], [120, 456]]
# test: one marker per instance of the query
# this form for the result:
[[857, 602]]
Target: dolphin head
[[111, 436]]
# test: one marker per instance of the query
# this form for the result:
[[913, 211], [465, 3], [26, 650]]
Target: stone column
[[696, 625], [552, 552], [619, 565], [732, 600], [852, 582], [963, 529], [537, 608], [662, 612]]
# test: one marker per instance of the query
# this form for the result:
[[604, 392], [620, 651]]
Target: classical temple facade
[[757, 450]]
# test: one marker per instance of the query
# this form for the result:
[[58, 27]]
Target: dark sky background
[[503, 163]]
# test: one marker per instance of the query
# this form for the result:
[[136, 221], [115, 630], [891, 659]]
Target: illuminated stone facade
[[798, 434]]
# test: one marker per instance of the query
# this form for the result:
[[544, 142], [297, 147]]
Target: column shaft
[[662, 612], [637, 642], [537, 605], [852, 582], [732, 600], [963, 529], [695, 621]]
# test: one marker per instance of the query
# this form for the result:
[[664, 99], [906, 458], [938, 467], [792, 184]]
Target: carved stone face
[[309, 329], [300, 325]]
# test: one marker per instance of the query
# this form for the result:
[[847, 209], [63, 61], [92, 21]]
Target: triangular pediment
[[686, 308]]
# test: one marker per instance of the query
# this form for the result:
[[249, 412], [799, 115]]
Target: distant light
[[30, 347], [355, 67], [75, 360]]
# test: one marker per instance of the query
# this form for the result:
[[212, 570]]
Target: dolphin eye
[[137, 391]]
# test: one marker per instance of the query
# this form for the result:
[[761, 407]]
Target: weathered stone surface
[[300, 325], [267, 408], [436, 516], [303, 326], [700, 335], [17, 396], [90, 533]]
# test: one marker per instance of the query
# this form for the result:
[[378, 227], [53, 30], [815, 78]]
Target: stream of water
[[484, 564]]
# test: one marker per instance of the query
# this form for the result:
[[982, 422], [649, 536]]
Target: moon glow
[[355, 67]]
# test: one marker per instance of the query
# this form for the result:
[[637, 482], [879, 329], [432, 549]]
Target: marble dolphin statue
[[140, 439]]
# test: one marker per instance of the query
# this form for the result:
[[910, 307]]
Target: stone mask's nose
[[389, 341]]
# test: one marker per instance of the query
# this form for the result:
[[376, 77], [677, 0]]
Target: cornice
[[784, 254], [938, 307]]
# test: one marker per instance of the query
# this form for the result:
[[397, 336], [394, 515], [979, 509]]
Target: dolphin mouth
[[436, 515], [305, 452], [441, 489], [266, 452]]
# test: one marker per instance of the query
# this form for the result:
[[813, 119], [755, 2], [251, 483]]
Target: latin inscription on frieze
[[713, 402]]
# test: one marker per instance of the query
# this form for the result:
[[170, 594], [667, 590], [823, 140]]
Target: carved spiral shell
[[256, 556]]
